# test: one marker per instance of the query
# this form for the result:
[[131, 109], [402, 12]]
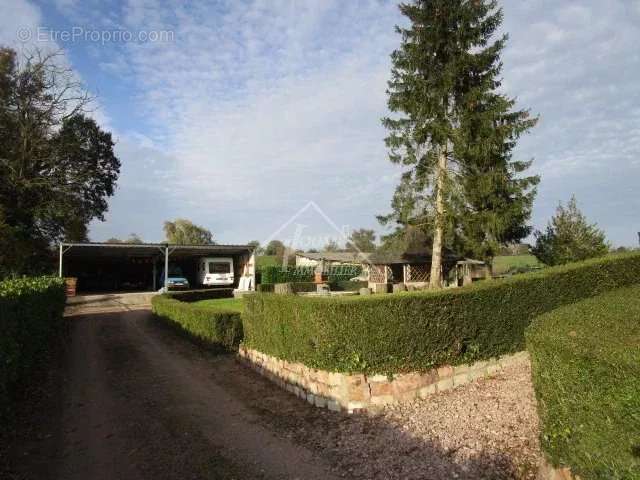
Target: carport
[[135, 267]]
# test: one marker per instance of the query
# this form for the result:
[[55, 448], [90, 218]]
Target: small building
[[122, 267]]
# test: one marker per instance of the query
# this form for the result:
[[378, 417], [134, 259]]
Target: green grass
[[586, 371], [267, 261], [233, 304], [504, 263]]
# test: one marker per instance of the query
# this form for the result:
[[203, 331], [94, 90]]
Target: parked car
[[215, 271], [175, 280]]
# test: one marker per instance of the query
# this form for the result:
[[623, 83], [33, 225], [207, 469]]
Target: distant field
[[234, 304], [266, 261], [502, 264]]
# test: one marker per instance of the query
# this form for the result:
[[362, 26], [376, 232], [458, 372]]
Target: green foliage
[[362, 240], [133, 238], [331, 246], [235, 304], [279, 274], [503, 264], [212, 325], [569, 238], [31, 321], [586, 373], [57, 166], [184, 232], [343, 273], [275, 248], [449, 115], [266, 287], [415, 331], [347, 285]]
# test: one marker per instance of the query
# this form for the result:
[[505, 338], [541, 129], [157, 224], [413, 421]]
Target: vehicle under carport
[[123, 267]]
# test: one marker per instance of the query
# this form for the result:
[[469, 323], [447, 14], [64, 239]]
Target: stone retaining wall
[[359, 392]]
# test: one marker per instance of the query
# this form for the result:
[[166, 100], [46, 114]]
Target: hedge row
[[31, 320], [415, 331], [586, 373], [216, 327], [277, 274]]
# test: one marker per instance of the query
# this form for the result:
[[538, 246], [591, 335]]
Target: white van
[[215, 271]]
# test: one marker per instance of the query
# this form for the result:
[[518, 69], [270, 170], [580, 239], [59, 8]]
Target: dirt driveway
[[133, 400]]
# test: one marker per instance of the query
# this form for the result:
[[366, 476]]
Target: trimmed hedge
[[347, 285], [278, 274], [586, 373], [213, 326], [31, 320], [343, 273], [416, 331]]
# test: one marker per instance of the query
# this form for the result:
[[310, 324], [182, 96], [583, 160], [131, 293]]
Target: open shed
[[111, 267]]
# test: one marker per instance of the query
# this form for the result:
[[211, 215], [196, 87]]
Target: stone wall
[[359, 392]]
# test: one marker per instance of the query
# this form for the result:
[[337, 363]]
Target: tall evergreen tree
[[454, 132]]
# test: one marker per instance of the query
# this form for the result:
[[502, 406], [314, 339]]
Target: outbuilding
[[121, 267]]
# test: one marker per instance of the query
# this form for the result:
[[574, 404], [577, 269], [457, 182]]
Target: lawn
[[267, 261], [233, 304], [586, 371], [504, 263]]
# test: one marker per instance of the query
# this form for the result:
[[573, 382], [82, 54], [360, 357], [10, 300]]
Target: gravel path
[[134, 401]]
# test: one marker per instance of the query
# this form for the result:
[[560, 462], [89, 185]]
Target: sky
[[261, 118]]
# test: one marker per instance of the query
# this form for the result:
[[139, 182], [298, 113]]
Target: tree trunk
[[435, 279]]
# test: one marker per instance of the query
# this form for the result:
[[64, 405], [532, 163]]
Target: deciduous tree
[[184, 232], [57, 166]]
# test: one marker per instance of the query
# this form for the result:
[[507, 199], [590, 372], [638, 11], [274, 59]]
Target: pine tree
[[569, 237], [453, 132]]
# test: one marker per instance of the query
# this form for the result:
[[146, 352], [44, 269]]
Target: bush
[[347, 285], [586, 373], [416, 331], [206, 294], [343, 273], [278, 274], [31, 320], [216, 327], [265, 287]]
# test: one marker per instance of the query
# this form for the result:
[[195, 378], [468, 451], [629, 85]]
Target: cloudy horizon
[[236, 115]]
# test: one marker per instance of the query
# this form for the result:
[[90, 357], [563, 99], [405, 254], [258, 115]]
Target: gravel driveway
[[134, 401]]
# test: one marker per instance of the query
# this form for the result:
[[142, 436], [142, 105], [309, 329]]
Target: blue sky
[[239, 113]]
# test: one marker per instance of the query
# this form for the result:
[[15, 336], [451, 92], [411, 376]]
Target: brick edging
[[357, 392]]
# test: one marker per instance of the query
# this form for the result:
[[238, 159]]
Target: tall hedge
[[278, 274], [415, 331], [214, 326], [31, 319], [586, 374]]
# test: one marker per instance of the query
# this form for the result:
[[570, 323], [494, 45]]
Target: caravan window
[[219, 267]]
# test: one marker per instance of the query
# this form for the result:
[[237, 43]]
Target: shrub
[[265, 287], [216, 327], [31, 320], [586, 373], [347, 285], [343, 273], [207, 294], [278, 274], [415, 331]]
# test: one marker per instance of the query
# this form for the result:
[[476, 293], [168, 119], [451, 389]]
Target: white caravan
[[215, 271]]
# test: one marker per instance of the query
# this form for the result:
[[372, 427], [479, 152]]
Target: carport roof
[[105, 250]]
